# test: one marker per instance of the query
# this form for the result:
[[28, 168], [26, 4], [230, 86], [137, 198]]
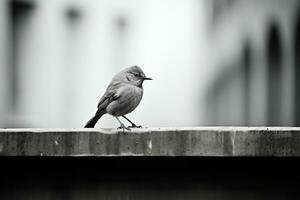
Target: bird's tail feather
[[92, 122]]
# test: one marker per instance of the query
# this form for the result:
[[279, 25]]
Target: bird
[[122, 96]]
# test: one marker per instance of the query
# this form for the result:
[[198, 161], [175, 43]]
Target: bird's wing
[[109, 95]]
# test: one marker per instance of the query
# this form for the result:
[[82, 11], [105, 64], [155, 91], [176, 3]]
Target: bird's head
[[133, 75]]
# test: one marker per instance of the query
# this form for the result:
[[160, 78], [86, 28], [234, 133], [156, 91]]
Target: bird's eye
[[136, 75]]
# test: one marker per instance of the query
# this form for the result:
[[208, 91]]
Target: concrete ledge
[[190, 141]]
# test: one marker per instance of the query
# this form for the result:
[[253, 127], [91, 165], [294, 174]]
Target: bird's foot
[[134, 126], [124, 127]]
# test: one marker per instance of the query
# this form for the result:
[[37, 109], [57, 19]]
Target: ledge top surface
[[157, 141], [157, 129]]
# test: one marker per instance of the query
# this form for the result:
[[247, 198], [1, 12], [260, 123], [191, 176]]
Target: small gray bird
[[122, 96]]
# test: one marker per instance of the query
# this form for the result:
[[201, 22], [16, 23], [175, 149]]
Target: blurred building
[[34, 63], [254, 54], [59, 56], [213, 62]]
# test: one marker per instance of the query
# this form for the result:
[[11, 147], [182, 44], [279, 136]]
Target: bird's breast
[[129, 98]]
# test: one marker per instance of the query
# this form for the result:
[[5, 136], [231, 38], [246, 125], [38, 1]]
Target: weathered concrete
[[190, 141]]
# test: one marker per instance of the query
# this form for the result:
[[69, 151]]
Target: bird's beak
[[147, 78]]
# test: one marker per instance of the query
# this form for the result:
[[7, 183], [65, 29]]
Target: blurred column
[[20, 14], [119, 51], [246, 70], [3, 61], [297, 72], [274, 80], [73, 51]]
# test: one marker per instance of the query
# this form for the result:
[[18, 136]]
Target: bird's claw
[[134, 126], [124, 127]]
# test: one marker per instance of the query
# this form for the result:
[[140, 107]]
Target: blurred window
[[274, 80], [20, 13], [297, 72]]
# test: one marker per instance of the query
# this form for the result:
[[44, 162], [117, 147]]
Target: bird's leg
[[122, 126], [132, 124]]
